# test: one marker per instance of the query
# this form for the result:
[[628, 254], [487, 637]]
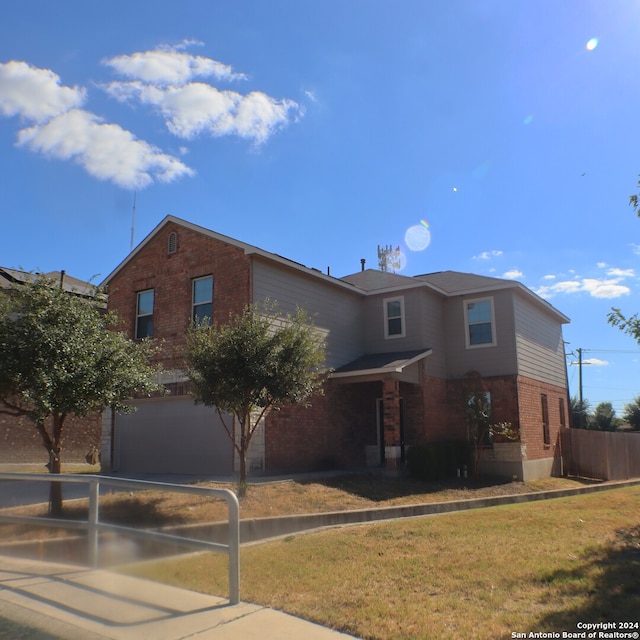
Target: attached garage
[[171, 435]]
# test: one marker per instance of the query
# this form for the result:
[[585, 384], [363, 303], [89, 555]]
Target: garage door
[[172, 436]]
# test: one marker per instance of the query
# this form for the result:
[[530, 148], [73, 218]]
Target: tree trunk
[[55, 466], [242, 481]]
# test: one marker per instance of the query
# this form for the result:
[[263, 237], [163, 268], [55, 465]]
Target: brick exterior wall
[[331, 432], [21, 443], [530, 393], [170, 275]]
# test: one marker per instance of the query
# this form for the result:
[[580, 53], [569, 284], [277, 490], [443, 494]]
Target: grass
[[484, 574], [10, 630]]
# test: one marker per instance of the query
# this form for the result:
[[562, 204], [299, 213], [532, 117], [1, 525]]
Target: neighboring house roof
[[11, 277], [380, 363]]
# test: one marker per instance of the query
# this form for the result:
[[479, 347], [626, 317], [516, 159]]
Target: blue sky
[[320, 129]]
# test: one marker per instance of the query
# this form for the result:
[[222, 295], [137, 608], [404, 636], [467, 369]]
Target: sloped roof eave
[[397, 365], [247, 248]]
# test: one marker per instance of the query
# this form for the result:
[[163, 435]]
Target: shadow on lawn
[[379, 487], [140, 511], [614, 573]]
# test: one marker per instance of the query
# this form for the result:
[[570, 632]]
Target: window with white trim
[[144, 314], [480, 323], [202, 290], [394, 317]]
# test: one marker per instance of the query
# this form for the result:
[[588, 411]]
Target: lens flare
[[418, 237], [592, 44]]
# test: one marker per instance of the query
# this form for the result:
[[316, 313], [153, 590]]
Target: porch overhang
[[378, 366]]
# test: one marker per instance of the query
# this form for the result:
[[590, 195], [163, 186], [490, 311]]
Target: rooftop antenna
[[389, 258], [133, 220]]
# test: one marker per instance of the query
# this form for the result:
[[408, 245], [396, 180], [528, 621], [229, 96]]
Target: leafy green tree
[[60, 358], [631, 414], [579, 413], [258, 361], [631, 324], [482, 431], [604, 417]]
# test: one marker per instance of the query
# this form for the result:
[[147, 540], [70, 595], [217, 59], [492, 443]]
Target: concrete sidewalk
[[75, 603]]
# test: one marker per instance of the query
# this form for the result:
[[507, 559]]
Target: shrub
[[438, 460]]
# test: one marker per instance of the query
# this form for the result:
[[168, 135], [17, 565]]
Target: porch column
[[391, 422]]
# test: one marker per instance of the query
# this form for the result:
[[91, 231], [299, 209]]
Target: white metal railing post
[[94, 499], [234, 548], [93, 526]]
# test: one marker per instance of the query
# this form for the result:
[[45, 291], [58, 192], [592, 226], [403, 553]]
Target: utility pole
[[580, 376]]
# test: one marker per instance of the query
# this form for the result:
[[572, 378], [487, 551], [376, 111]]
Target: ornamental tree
[[628, 324], [60, 357], [259, 360]]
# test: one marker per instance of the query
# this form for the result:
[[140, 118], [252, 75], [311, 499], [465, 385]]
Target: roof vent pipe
[[362, 262]]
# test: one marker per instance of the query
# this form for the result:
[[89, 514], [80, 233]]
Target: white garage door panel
[[172, 436]]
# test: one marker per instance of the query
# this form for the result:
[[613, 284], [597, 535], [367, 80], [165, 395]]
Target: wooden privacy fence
[[605, 455]]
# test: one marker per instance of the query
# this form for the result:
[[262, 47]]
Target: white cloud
[[162, 78], [196, 108], [513, 274], [35, 94], [621, 273], [105, 151], [605, 288], [168, 65], [601, 265], [549, 276], [487, 255], [597, 288], [595, 362], [635, 248]]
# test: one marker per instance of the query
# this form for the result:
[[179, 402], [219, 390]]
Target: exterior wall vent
[[172, 243]]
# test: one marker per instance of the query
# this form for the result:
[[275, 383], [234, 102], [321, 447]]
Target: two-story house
[[399, 349]]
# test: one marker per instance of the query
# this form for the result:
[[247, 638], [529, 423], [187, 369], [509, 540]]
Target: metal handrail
[[94, 526]]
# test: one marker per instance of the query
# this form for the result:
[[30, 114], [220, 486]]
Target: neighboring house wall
[[19, 440], [21, 443]]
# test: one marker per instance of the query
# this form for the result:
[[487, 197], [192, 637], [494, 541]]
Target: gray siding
[[487, 360], [336, 311], [420, 316], [539, 344]]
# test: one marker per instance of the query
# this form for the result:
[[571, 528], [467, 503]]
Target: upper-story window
[[394, 317], [144, 314], [202, 299], [480, 323]]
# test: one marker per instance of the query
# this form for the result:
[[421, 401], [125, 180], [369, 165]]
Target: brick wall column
[[391, 422]]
